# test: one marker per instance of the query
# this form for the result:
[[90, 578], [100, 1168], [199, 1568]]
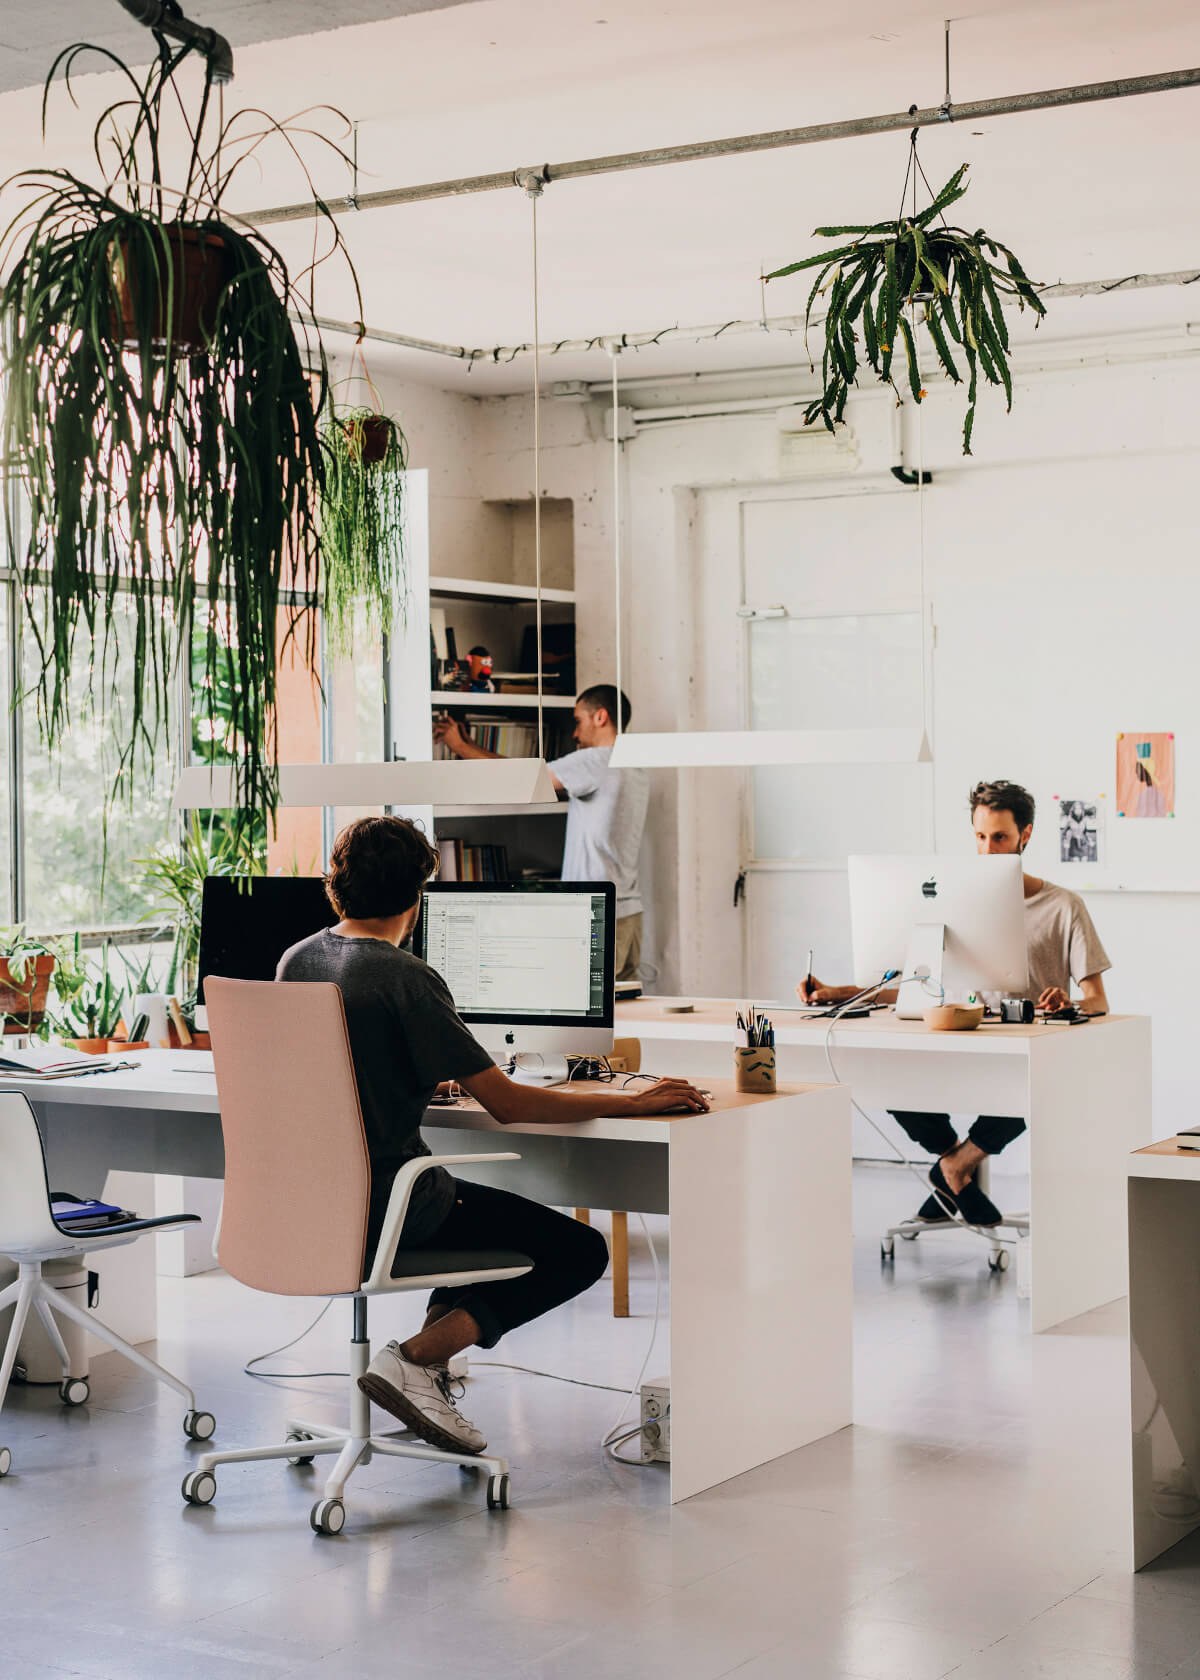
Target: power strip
[[656, 1422]]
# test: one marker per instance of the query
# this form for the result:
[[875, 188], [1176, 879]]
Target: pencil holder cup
[[754, 1068]]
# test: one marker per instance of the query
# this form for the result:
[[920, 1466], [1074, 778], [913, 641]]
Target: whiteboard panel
[[848, 671]]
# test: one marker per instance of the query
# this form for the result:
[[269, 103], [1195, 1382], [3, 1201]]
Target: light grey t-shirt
[[1063, 944], [606, 814]]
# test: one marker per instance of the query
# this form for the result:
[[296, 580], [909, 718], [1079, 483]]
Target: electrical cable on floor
[[608, 1441], [554, 1376], [298, 1376]]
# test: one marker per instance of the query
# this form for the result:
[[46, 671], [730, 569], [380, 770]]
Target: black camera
[[1017, 1011]]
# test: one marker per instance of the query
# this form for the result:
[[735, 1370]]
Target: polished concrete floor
[[971, 1523]]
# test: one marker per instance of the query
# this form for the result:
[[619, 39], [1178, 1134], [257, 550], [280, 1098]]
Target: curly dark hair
[[1004, 796], [377, 867]]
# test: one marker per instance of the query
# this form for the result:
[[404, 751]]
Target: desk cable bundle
[[951, 1211]]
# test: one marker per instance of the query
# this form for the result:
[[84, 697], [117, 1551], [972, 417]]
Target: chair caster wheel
[[5, 1461], [199, 1426], [328, 1516], [497, 1493], [998, 1262], [887, 1251], [73, 1391], [298, 1435], [199, 1487]]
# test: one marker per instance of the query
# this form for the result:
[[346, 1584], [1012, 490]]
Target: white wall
[[1060, 562]]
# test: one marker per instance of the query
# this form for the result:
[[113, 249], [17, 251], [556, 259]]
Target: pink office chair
[[294, 1222]]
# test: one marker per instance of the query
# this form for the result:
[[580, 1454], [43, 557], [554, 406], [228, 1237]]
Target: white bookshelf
[[499, 702], [558, 809], [472, 589]]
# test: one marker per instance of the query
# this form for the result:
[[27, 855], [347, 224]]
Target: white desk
[[1164, 1347], [758, 1193], [1084, 1092]]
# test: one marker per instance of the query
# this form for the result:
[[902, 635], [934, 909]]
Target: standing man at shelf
[[606, 809], [1063, 946]]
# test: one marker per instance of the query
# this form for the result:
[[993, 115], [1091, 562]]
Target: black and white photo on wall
[[1080, 829]]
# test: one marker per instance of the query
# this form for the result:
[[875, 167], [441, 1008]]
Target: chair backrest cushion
[[25, 1219], [297, 1175]]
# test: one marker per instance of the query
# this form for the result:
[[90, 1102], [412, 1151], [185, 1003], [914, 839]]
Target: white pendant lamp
[[706, 749], [446, 782]]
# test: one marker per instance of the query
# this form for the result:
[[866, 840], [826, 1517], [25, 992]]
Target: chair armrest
[[397, 1208]]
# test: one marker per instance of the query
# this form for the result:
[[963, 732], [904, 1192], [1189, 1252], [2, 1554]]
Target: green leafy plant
[[362, 522], [178, 875], [958, 282], [94, 1000], [26, 965], [161, 420]]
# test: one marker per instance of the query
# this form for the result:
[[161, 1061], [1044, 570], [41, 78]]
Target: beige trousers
[[629, 946]]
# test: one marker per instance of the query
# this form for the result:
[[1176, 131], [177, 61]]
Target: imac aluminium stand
[[923, 982], [536, 1067]]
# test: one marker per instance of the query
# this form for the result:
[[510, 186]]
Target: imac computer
[[529, 966], [247, 925], [950, 926]]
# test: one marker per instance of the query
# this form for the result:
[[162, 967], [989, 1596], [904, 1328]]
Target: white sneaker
[[420, 1396]]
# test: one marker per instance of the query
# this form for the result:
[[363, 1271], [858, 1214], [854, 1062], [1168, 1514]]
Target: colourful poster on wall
[[1146, 775]]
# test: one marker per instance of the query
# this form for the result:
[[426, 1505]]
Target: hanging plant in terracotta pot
[[894, 277], [362, 521], [161, 421]]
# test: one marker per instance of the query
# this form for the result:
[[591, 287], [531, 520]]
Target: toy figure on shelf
[[472, 675]]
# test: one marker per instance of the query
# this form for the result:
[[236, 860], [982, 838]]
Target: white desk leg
[[1164, 1310], [1089, 1108], [761, 1286]]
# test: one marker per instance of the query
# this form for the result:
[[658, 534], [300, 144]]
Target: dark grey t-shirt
[[405, 1037]]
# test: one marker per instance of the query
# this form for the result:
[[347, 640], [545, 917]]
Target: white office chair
[[30, 1235], [294, 1221]]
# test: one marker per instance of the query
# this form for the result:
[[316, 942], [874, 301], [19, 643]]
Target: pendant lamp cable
[[614, 350], [533, 181]]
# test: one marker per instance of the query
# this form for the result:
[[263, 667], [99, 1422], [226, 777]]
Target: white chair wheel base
[[74, 1391], [199, 1426], [998, 1262], [5, 1461], [497, 1493], [199, 1487], [328, 1516]]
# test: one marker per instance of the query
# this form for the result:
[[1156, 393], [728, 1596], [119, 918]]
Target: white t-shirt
[[606, 814], [1063, 943]]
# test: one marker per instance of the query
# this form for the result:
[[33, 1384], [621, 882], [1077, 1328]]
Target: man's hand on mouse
[[666, 1096]]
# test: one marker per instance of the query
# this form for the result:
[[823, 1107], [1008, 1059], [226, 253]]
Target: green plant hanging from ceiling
[[957, 281], [161, 419], [362, 522]]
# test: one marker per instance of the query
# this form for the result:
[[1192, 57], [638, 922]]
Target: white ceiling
[[1087, 192]]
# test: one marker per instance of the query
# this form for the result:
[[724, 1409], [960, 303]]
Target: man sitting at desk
[[406, 1041], [1063, 946]]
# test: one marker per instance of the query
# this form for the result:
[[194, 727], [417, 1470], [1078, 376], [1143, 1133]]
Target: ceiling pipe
[[165, 18], [503, 354], [975, 111]]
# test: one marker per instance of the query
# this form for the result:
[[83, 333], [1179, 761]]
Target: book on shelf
[[509, 740], [462, 861]]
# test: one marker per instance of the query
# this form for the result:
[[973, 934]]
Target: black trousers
[[568, 1257], [991, 1132]]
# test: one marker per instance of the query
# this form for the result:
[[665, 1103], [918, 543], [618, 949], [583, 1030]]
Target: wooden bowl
[[953, 1017]]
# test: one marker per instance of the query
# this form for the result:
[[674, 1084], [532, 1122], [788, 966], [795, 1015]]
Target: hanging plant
[[161, 420], [362, 522], [952, 281]]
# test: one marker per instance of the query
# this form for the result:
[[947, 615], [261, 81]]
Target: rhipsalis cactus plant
[[894, 277], [362, 523]]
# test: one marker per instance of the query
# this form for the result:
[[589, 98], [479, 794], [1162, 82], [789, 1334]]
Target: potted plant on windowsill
[[362, 522], [952, 282], [92, 1004], [26, 965], [161, 421]]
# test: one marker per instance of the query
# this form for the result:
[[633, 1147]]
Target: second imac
[[529, 966], [950, 925]]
